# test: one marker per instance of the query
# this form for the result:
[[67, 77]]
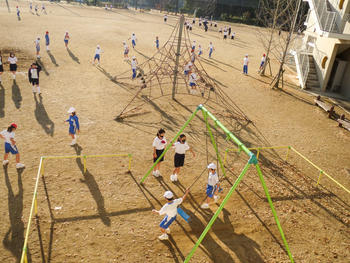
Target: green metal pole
[[212, 220], [274, 212], [170, 144], [205, 114], [228, 133]]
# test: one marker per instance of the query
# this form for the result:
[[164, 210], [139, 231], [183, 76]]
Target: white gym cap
[[71, 110], [133, 57], [212, 166], [168, 195]]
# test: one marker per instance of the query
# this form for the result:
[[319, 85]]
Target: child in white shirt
[[97, 56], [181, 147], [212, 186], [126, 51], [170, 212], [159, 144]]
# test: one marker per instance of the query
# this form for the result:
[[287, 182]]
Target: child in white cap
[[212, 186], [74, 126], [181, 147], [10, 145], [159, 144], [97, 56], [170, 212]]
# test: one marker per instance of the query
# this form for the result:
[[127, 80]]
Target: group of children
[[171, 207]]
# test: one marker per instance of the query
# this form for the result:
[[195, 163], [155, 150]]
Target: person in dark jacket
[[33, 75]]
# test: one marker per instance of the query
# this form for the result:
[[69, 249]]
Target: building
[[323, 60]]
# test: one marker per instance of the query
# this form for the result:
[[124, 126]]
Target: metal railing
[[304, 67], [326, 18]]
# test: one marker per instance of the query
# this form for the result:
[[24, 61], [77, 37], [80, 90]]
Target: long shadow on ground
[[52, 57], [71, 54], [2, 101], [16, 95], [42, 117]]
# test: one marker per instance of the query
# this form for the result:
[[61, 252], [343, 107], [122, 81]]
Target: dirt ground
[[105, 215]]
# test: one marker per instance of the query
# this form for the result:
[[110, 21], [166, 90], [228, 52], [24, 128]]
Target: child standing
[[133, 67], [170, 212], [192, 80], [133, 40], [97, 55], [43, 9], [47, 41], [37, 47], [66, 39], [36, 9], [18, 13], [262, 63], [193, 46], [74, 126], [245, 64], [126, 51], [10, 145], [233, 35], [165, 18], [225, 33], [181, 147], [31, 7], [158, 148], [211, 49], [13, 64], [212, 186], [200, 51], [188, 67], [1, 67], [157, 43], [33, 76]]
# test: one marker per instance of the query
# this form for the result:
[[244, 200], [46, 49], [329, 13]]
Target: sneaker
[[155, 173], [167, 230], [205, 206], [73, 143], [163, 237], [5, 162], [20, 165], [175, 177], [172, 178], [216, 198], [158, 173]]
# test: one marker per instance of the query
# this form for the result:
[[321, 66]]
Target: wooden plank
[[324, 106]]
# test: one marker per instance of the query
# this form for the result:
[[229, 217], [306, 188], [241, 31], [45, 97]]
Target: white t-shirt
[[181, 148], [263, 59], [213, 179], [8, 136], [199, 49], [34, 73], [225, 32], [170, 209], [193, 44], [37, 42], [159, 144], [133, 37], [0, 60], [188, 66], [211, 46], [125, 47], [193, 78], [133, 64], [98, 51], [245, 61], [12, 60]]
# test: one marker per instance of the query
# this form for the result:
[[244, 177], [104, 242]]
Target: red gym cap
[[47, 32], [14, 125]]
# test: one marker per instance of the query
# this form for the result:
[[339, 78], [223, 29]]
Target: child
[[262, 63], [126, 51], [133, 40], [37, 47], [66, 39], [215, 24], [36, 9], [10, 145], [74, 126], [188, 68], [43, 9], [31, 7], [212, 186], [18, 13], [157, 43], [47, 40], [192, 81], [33, 76], [165, 18], [193, 57], [158, 148], [229, 30], [133, 67], [97, 55], [194, 20], [211, 49], [220, 30], [170, 212], [193, 46], [200, 52], [245, 64], [1, 67], [233, 35], [190, 26], [181, 147], [13, 64], [225, 33]]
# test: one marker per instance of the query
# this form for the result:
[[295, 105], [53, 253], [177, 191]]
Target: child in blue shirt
[[74, 127], [157, 43], [47, 40]]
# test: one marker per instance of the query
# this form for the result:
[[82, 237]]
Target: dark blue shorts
[[166, 223], [9, 148], [192, 84], [133, 42], [210, 190], [97, 56], [186, 72], [71, 130], [66, 41]]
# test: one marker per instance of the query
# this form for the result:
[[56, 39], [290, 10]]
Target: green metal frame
[[252, 161]]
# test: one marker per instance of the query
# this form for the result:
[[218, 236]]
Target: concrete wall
[[345, 85]]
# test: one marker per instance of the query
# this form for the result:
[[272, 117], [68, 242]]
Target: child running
[[74, 126], [170, 212], [97, 56], [181, 147], [126, 51], [157, 43], [66, 39], [37, 47], [13, 64], [159, 144], [245, 65], [133, 40], [33, 76], [212, 186], [134, 66], [10, 145], [1, 67], [47, 40], [211, 49]]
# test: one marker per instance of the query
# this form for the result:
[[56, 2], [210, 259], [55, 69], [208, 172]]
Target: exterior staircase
[[312, 79]]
